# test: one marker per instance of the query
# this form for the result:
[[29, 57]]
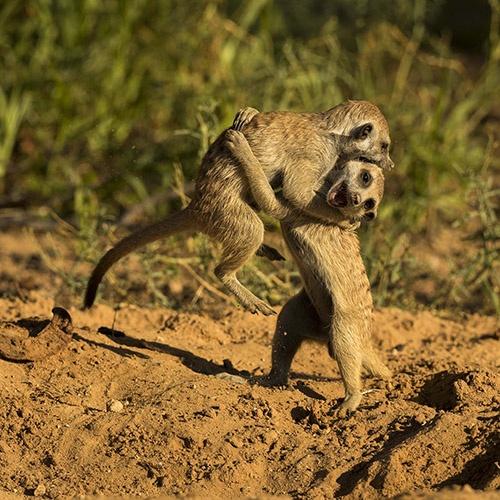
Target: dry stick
[[197, 295], [205, 284], [114, 318]]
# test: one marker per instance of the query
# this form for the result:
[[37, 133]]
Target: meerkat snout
[[369, 204]]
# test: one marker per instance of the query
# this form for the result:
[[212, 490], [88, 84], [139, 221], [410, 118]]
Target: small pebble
[[270, 436], [235, 441], [258, 413], [420, 418], [40, 490], [115, 406]]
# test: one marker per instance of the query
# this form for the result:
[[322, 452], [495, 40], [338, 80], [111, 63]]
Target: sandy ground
[[158, 403]]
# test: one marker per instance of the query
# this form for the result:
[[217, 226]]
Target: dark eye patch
[[363, 131], [369, 203]]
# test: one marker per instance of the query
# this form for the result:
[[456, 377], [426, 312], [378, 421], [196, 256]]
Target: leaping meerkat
[[295, 151], [335, 305]]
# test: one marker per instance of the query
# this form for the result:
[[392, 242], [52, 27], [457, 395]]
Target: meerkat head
[[356, 189], [362, 133]]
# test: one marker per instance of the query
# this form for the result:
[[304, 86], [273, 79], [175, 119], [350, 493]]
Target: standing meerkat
[[335, 305], [295, 151]]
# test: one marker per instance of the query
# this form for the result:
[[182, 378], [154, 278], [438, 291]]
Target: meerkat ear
[[363, 131]]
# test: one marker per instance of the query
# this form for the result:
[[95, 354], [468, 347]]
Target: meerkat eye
[[363, 131], [385, 146], [369, 204], [366, 177]]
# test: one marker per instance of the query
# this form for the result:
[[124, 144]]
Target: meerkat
[[336, 303], [295, 150]]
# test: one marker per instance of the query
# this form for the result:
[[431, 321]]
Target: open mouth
[[339, 197]]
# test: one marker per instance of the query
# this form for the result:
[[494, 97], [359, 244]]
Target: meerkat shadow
[[300, 385], [313, 378], [121, 351], [188, 359], [308, 391]]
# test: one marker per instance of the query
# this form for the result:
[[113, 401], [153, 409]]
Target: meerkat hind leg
[[225, 272], [244, 238], [297, 321], [349, 356], [374, 365]]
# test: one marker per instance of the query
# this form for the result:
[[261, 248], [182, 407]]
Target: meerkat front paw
[[238, 145], [243, 117]]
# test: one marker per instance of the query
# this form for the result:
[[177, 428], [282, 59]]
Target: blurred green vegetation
[[104, 105]]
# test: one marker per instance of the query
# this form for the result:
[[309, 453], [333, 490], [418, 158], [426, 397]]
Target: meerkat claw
[[243, 117], [265, 309], [349, 405]]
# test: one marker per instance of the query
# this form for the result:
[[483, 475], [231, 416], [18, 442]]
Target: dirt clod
[[34, 339]]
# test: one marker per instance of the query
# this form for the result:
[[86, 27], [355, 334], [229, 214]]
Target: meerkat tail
[[374, 365], [184, 220]]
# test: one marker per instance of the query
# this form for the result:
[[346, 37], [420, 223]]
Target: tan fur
[[296, 151], [347, 174], [336, 285], [336, 303]]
